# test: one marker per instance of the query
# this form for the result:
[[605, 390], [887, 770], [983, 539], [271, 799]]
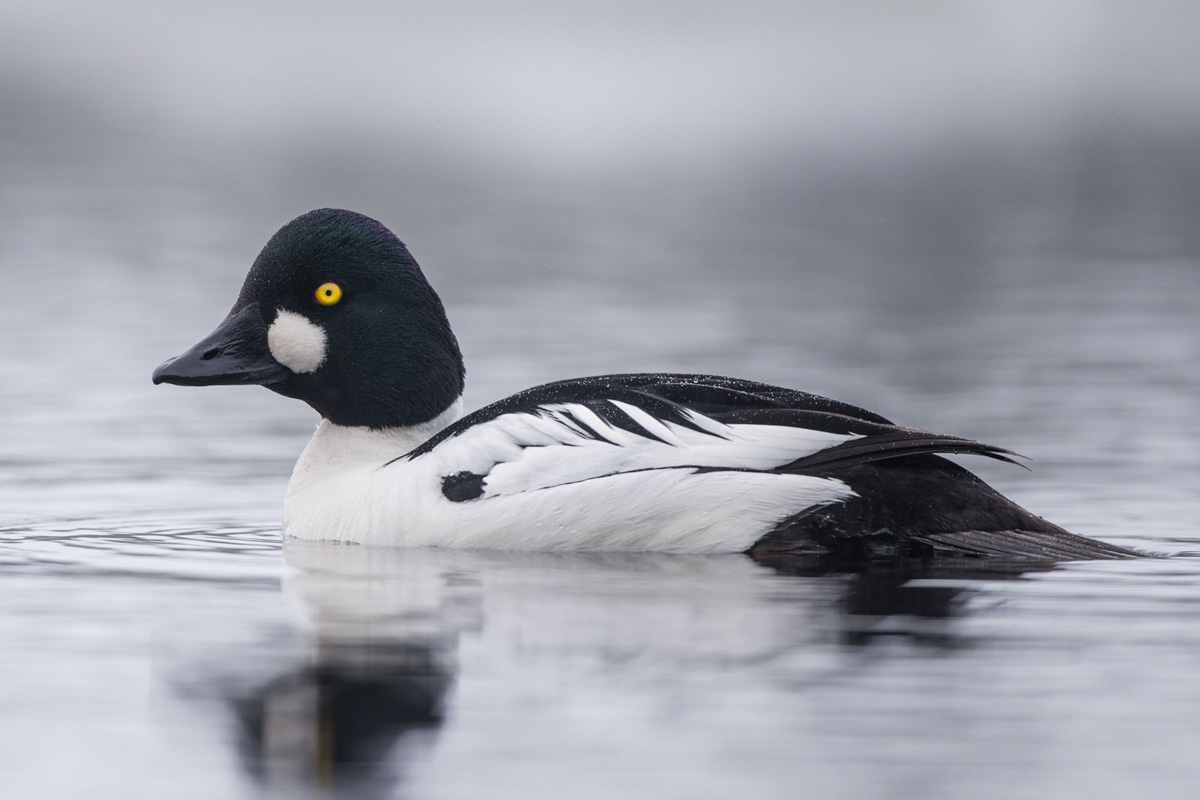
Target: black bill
[[235, 353]]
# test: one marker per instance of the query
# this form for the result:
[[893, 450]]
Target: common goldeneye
[[336, 312]]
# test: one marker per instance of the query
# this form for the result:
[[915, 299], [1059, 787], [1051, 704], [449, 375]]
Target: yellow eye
[[328, 294]]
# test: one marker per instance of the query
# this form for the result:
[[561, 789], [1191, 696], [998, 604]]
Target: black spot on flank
[[462, 486]]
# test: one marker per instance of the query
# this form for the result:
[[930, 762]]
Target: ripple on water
[[217, 552]]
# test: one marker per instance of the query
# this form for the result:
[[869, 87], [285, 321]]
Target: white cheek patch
[[296, 342]]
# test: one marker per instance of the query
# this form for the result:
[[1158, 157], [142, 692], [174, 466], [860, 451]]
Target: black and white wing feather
[[577, 430], [834, 478]]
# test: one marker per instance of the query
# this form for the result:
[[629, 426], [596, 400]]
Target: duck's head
[[335, 312]]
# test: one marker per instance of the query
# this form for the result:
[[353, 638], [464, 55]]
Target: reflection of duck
[[336, 312], [392, 629], [382, 664], [909, 598], [336, 726], [594, 606]]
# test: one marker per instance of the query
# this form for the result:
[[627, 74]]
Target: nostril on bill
[[209, 355]]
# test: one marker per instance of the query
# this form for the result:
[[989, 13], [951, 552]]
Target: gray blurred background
[[972, 216]]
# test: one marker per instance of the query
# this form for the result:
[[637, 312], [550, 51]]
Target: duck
[[336, 312]]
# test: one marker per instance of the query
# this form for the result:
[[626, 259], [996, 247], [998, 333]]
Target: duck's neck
[[335, 445]]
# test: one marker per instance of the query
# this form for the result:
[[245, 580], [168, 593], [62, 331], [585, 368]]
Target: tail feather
[[895, 443], [923, 506], [1032, 545]]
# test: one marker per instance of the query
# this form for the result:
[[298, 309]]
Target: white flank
[[551, 486], [296, 341]]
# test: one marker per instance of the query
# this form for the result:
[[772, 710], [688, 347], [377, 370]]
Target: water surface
[[158, 640]]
